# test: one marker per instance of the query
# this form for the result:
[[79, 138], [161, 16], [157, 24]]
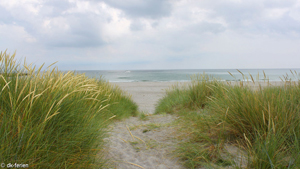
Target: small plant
[[143, 116]]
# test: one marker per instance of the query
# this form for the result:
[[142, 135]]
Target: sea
[[188, 74]]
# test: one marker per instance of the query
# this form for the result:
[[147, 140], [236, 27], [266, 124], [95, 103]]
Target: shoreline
[[189, 81]]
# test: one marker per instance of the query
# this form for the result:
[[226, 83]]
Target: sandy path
[[136, 143], [146, 94]]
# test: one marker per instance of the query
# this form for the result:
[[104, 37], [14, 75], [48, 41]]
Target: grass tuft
[[51, 119], [259, 118]]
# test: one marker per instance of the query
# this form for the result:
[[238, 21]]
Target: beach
[[147, 94]]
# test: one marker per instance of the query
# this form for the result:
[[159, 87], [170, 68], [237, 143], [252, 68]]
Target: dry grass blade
[[240, 72], [252, 78], [140, 139], [49, 111], [123, 140], [6, 85], [134, 164], [52, 65], [230, 74], [130, 133], [248, 141], [292, 72]]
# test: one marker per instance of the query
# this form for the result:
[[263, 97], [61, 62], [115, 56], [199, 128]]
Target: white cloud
[[117, 25], [16, 35], [275, 13], [132, 34], [154, 9]]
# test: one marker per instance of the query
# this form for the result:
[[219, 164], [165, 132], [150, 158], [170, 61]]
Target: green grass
[[143, 115], [51, 119], [264, 122]]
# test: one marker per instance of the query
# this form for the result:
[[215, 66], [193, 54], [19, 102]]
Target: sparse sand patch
[[135, 143]]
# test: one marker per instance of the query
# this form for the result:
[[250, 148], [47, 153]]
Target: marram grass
[[50, 119], [262, 121]]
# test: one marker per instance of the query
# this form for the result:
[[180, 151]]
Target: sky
[[152, 34]]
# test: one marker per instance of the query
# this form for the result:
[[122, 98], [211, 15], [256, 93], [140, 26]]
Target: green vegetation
[[216, 117], [51, 119], [143, 115]]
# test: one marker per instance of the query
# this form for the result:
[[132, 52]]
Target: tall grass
[[51, 119], [266, 120], [263, 121], [192, 96]]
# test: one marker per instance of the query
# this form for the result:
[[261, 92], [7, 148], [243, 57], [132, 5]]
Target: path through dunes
[[144, 143], [146, 94]]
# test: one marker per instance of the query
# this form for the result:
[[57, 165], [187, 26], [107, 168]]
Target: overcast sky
[[153, 34]]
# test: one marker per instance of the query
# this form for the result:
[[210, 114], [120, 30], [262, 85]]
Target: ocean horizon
[[181, 75]]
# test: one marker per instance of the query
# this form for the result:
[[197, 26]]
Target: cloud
[[60, 23], [205, 26], [56, 8], [5, 16], [142, 13], [137, 25], [73, 31], [258, 16], [152, 33], [143, 9]]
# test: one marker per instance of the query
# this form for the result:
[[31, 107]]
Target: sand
[[136, 143], [147, 94]]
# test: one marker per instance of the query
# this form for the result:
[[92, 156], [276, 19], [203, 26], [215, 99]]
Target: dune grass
[[262, 122], [51, 119]]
